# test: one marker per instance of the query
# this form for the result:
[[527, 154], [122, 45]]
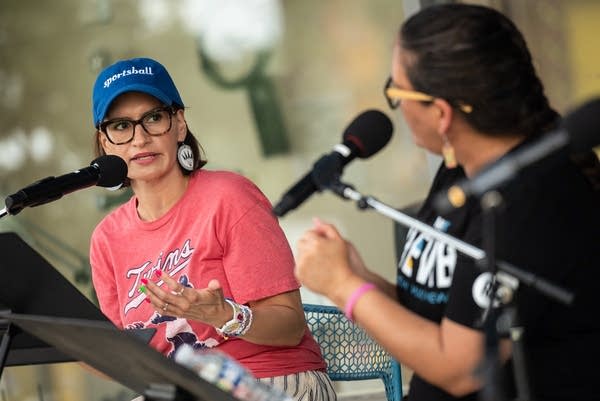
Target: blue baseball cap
[[133, 75]]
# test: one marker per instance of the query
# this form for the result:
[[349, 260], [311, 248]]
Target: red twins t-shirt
[[222, 228]]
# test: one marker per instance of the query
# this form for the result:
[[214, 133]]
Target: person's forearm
[[278, 325]]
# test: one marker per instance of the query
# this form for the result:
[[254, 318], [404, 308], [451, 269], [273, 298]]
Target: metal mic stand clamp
[[346, 191]]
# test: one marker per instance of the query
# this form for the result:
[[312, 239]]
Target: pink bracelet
[[354, 297]]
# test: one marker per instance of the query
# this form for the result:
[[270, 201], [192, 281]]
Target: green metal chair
[[350, 353]]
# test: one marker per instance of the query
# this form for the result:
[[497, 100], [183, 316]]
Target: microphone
[[366, 135], [578, 132], [105, 171]]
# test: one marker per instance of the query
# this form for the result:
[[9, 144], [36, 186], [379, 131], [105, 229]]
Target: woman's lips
[[144, 157]]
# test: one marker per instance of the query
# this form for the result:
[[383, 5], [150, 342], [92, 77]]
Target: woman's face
[[420, 117], [149, 158]]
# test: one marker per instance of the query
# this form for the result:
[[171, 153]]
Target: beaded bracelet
[[240, 322], [354, 297]]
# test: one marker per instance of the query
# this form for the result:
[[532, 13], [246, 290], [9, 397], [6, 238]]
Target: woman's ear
[[181, 125], [102, 141], [445, 114]]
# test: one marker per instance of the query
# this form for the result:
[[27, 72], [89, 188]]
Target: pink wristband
[[354, 297]]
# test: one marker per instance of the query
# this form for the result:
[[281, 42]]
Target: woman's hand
[[206, 305], [356, 262], [277, 320], [325, 259]]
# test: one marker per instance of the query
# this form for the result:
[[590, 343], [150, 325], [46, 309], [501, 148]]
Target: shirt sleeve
[[257, 259]]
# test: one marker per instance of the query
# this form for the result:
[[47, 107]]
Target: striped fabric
[[304, 386]]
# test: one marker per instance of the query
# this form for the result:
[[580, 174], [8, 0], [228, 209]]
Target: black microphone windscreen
[[370, 131], [113, 170], [583, 126]]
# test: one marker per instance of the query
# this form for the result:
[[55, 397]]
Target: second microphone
[[366, 135]]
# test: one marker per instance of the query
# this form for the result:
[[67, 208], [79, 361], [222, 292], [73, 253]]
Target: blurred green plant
[[263, 101]]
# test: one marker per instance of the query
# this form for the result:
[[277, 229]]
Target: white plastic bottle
[[226, 373]]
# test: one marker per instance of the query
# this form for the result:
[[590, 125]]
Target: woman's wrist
[[355, 296], [240, 321], [339, 293], [345, 291]]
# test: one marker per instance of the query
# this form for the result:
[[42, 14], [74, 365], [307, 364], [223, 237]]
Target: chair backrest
[[350, 353]]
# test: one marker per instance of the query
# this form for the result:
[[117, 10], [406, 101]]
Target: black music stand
[[121, 356], [33, 286]]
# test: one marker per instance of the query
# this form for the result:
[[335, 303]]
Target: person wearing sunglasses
[[195, 253], [464, 81]]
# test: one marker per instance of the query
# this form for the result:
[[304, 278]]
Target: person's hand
[[323, 263], [206, 305], [356, 262]]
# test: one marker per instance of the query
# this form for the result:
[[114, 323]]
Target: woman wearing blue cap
[[196, 254]]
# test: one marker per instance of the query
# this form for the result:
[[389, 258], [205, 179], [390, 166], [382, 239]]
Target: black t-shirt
[[549, 226]]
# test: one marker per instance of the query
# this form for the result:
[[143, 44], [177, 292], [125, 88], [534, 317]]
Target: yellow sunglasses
[[394, 95]]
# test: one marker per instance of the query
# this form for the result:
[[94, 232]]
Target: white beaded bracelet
[[240, 322]]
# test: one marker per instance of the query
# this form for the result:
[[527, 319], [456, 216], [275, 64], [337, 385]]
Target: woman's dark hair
[[190, 139], [475, 55]]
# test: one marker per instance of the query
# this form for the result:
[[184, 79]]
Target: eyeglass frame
[[171, 112], [395, 95]]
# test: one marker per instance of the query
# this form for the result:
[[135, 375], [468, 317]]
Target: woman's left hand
[[206, 305]]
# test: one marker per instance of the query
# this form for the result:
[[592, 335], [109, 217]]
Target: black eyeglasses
[[394, 95], [156, 122]]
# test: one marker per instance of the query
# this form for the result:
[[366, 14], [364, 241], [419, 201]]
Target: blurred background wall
[[269, 86]]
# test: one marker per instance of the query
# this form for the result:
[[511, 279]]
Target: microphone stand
[[510, 271], [489, 369], [3, 212], [500, 315]]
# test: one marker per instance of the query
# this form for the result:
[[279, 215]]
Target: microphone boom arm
[[542, 285]]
